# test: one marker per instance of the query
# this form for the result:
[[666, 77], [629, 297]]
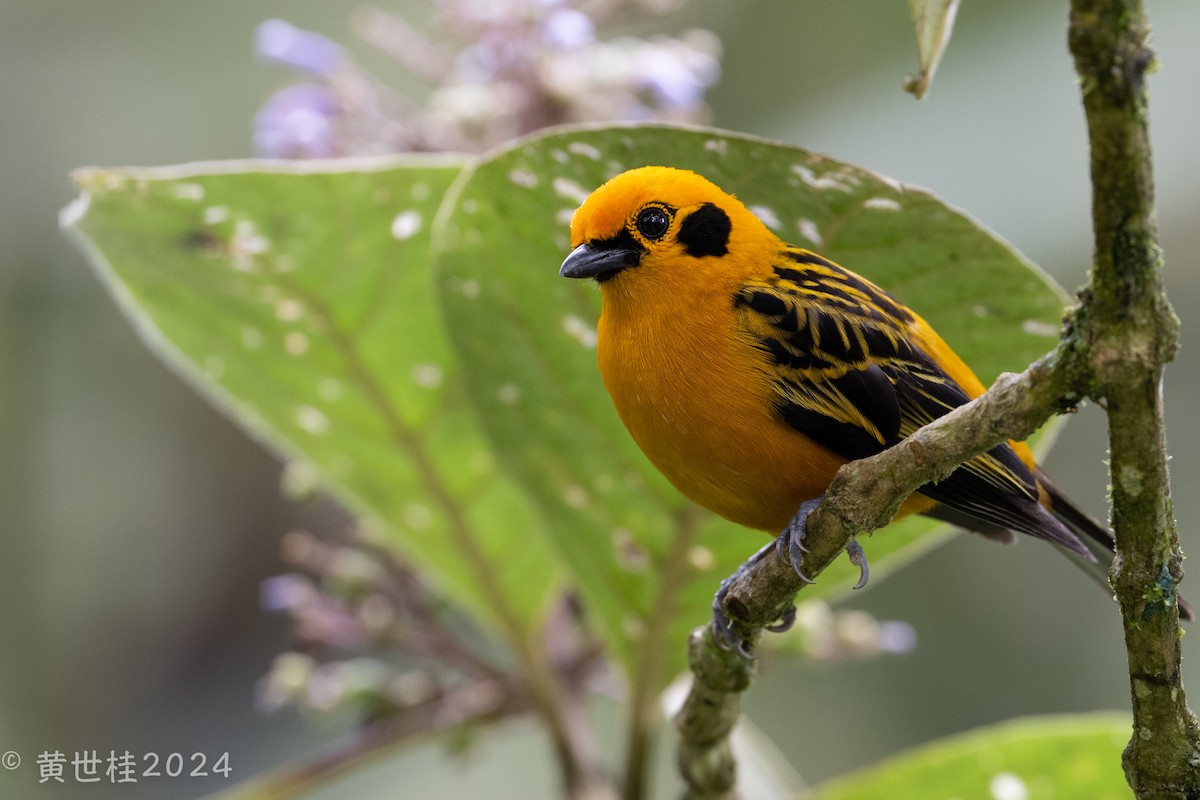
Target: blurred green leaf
[[298, 298], [647, 560], [1037, 758], [933, 21]]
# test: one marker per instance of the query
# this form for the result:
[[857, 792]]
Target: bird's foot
[[722, 626], [790, 545]]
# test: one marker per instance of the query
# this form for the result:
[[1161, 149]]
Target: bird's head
[[661, 226]]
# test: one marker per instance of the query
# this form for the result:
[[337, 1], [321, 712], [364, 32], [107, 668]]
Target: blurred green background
[[137, 523]]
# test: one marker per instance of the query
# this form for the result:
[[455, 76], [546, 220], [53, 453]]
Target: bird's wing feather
[[848, 374]]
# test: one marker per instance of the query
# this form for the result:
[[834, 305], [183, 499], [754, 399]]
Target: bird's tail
[[1096, 537]]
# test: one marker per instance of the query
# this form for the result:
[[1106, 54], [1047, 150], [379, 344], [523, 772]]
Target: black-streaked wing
[[848, 376]]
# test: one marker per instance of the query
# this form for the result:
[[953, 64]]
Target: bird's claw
[[790, 544], [786, 621], [859, 558], [722, 628]]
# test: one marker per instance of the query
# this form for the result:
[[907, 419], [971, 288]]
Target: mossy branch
[[1128, 333]]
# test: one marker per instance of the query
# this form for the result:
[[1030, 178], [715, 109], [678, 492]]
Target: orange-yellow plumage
[[697, 405], [749, 370], [700, 405]]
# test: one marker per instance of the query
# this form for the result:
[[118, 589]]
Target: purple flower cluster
[[366, 631], [280, 41], [826, 635], [298, 121], [328, 619], [489, 71]]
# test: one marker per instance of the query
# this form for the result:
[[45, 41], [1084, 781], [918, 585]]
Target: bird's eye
[[653, 222]]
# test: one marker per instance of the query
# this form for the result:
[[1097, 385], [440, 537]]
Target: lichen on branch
[[1127, 333]]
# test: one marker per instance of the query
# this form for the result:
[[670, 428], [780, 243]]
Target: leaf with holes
[[298, 298], [648, 561]]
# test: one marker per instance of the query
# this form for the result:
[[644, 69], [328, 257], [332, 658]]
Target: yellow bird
[[749, 370]]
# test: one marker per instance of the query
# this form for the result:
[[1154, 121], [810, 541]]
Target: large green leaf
[[647, 560], [298, 297], [1039, 758]]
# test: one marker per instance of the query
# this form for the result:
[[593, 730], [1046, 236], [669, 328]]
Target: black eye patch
[[705, 232]]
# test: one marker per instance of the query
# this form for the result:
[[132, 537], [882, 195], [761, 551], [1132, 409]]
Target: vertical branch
[[1129, 333]]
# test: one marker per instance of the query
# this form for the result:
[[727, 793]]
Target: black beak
[[589, 261]]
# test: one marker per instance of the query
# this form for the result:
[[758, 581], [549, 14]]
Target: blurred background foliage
[[138, 524]]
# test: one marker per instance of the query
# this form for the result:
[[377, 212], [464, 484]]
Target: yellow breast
[[694, 393]]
